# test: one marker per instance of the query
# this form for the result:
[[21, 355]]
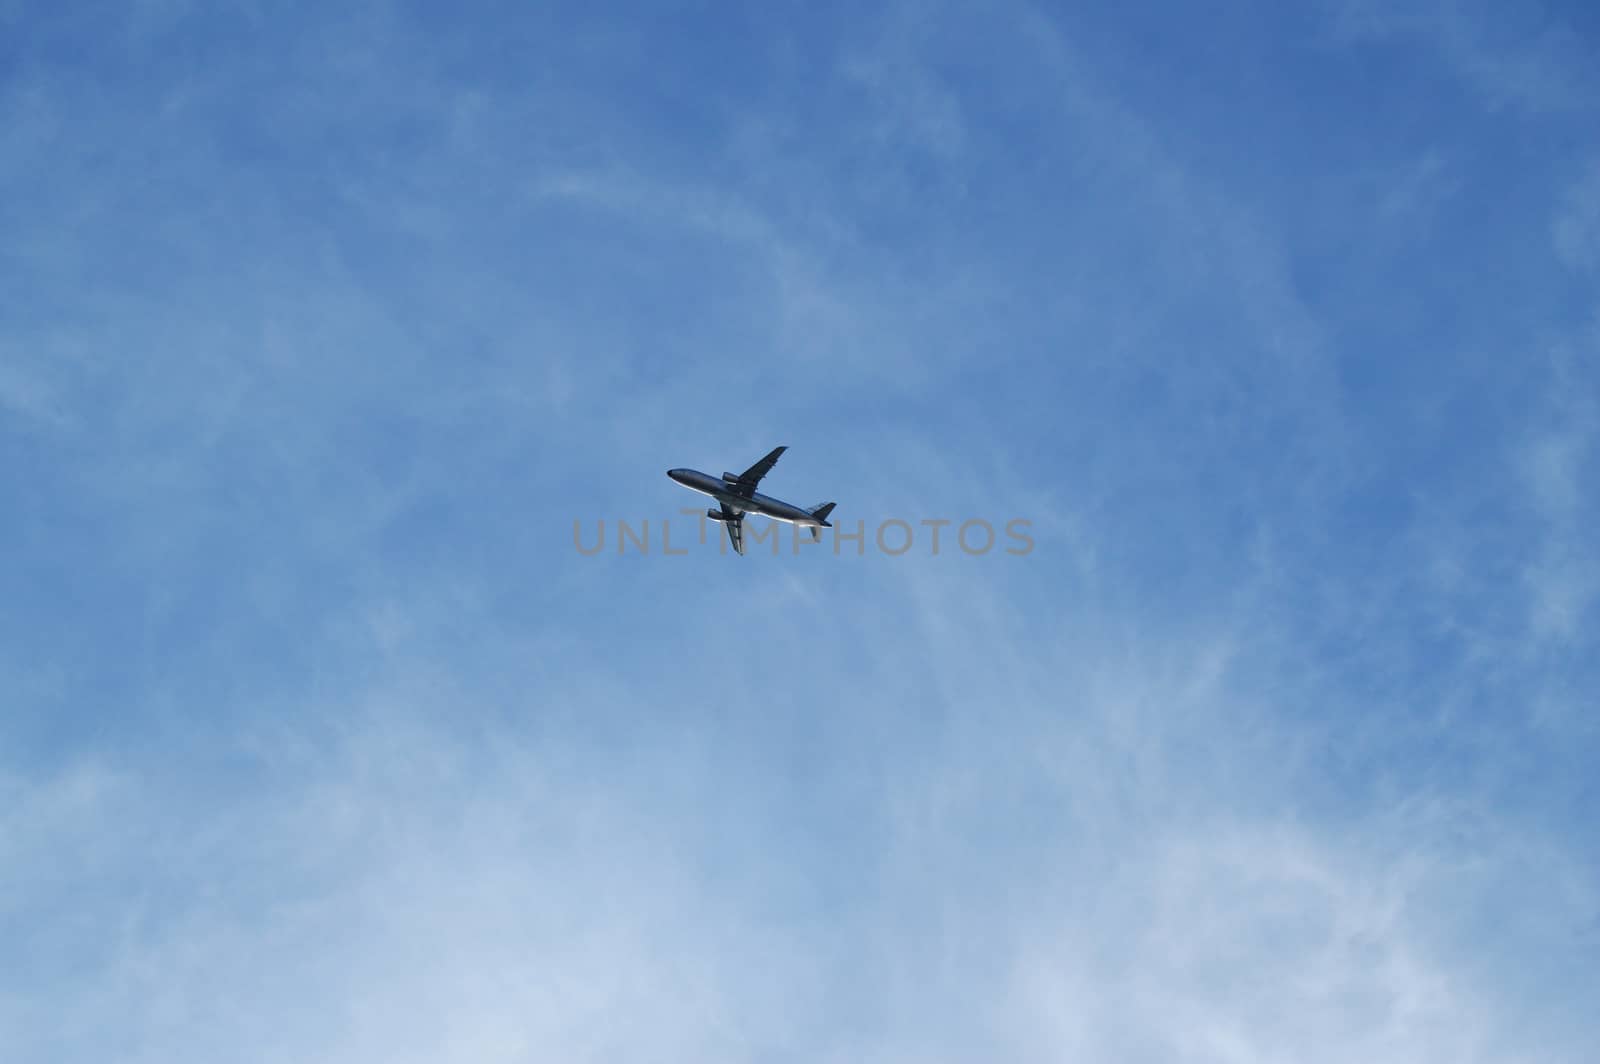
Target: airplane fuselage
[[754, 503]]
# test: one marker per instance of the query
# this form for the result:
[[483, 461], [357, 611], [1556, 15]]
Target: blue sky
[[321, 325]]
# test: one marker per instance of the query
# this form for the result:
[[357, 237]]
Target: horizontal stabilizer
[[822, 511]]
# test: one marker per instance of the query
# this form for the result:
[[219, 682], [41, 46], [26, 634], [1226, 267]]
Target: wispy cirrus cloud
[[1118, 864], [1577, 224], [1530, 58]]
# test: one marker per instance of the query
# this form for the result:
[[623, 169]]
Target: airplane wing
[[748, 480], [733, 521]]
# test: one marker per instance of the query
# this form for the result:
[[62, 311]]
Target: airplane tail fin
[[821, 513]]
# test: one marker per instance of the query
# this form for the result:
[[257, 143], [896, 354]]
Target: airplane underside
[[736, 497]]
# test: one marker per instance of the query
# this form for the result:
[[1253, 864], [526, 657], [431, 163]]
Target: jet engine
[[715, 515], [730, 478]]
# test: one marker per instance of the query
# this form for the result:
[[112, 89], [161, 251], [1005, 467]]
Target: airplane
[[738, 496]]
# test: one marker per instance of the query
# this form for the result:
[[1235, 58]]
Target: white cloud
[[1020, 836], [26, 395], [1577, 225], [1522, 56], [1558, 474]]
